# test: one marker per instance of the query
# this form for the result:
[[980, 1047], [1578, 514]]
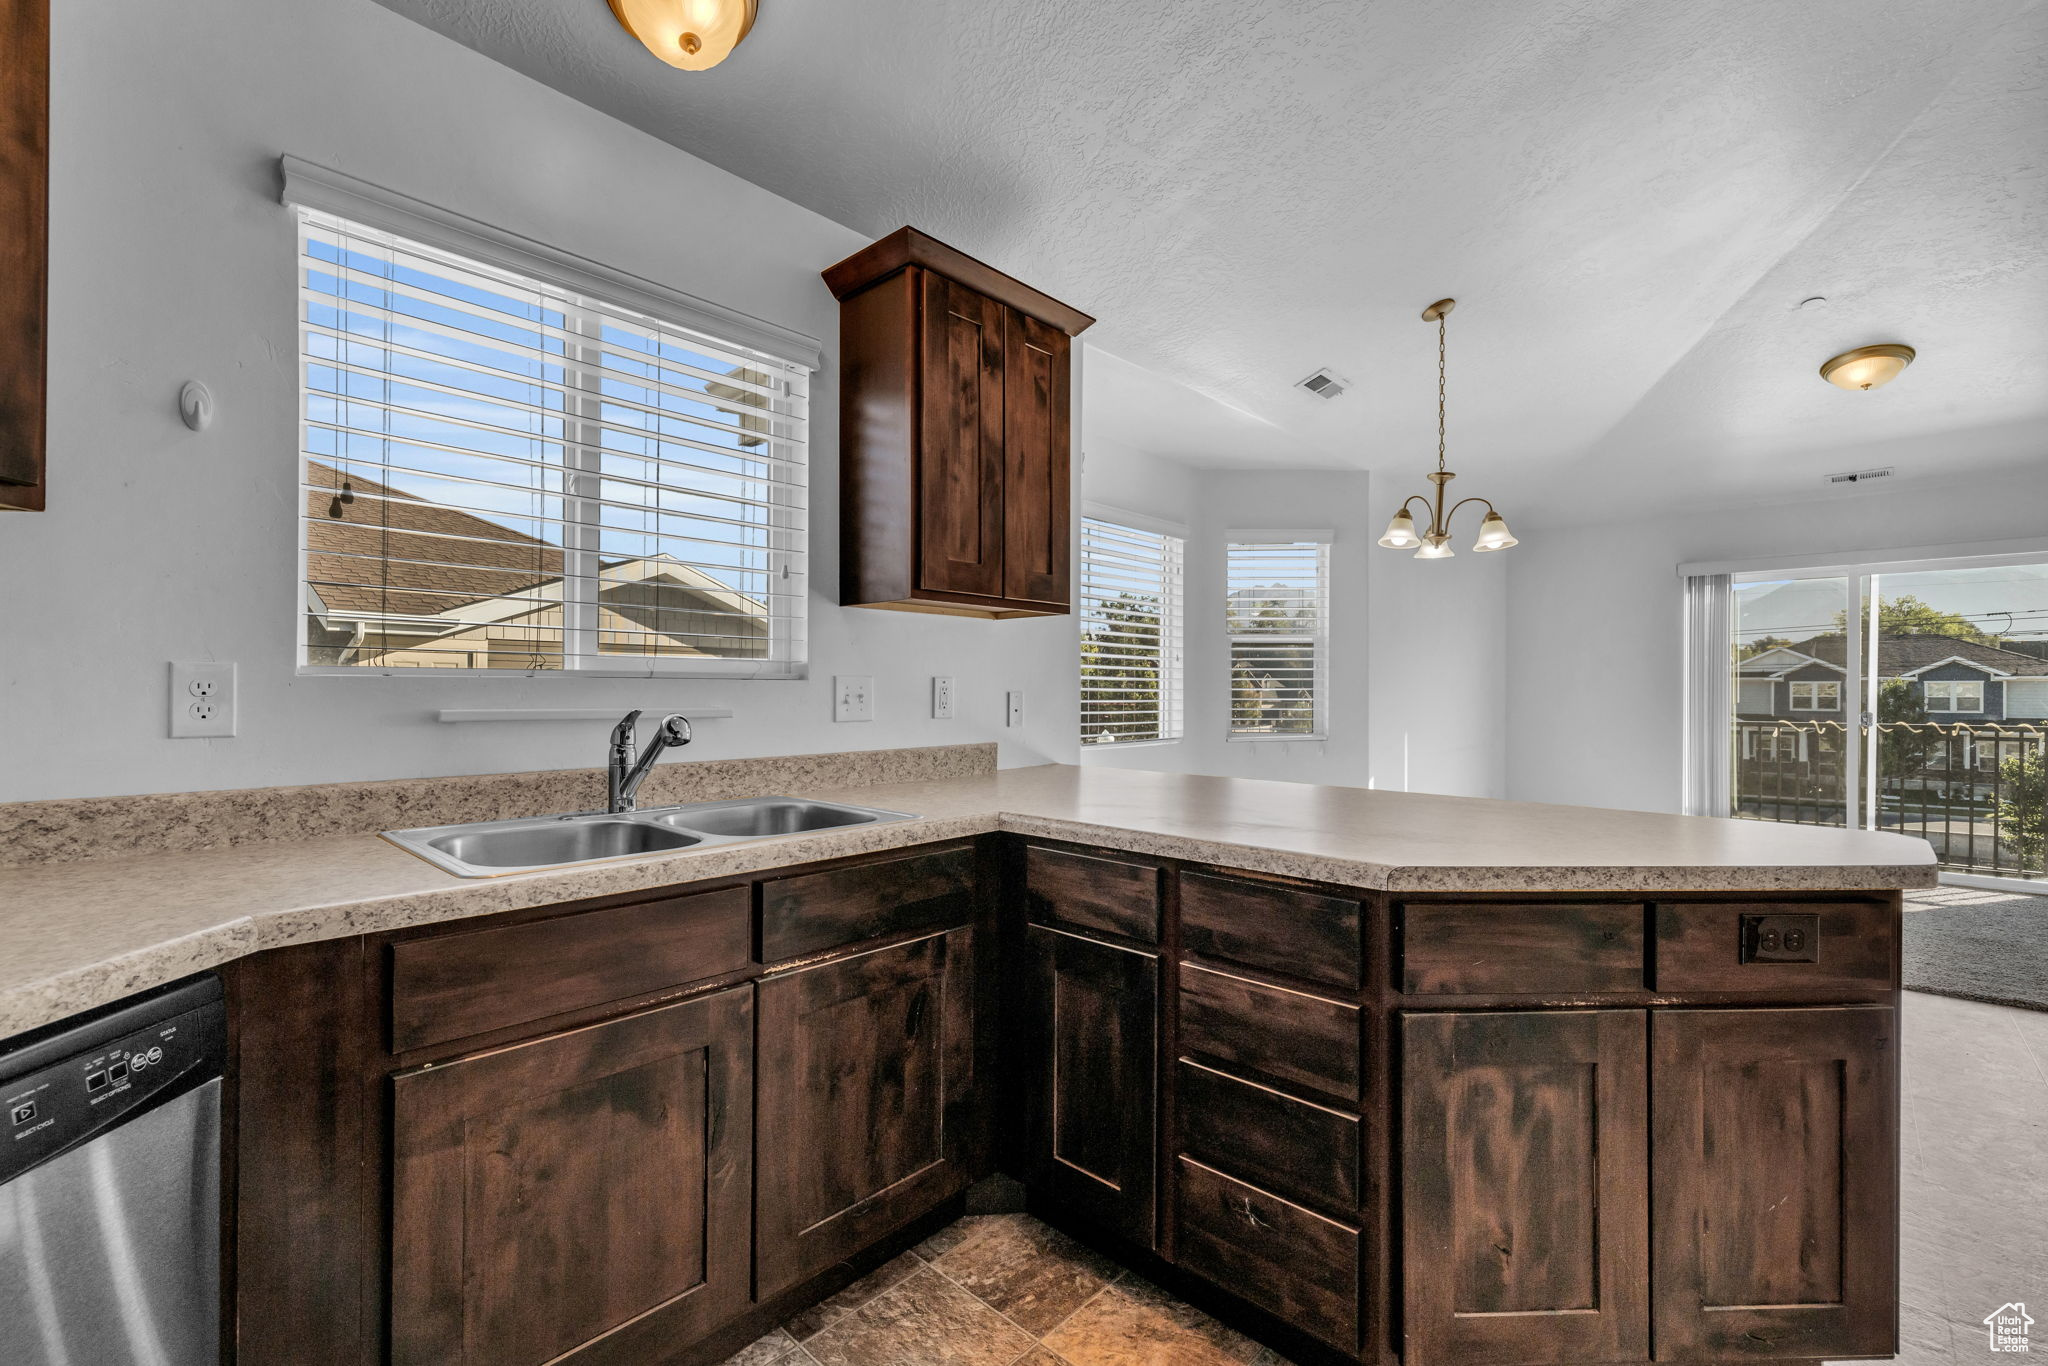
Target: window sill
[[1317, 738], [1100, 746]]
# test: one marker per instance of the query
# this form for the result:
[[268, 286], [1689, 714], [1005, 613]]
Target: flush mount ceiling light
[[1435, 542], [695, 35], [1867, 367]]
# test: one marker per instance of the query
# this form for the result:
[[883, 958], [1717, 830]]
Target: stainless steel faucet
[[625, 773]]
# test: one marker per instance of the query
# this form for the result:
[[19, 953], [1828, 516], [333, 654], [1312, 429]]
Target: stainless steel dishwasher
[[110, 1184]]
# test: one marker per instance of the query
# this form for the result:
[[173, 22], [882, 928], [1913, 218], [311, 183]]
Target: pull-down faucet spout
[[624, 773]]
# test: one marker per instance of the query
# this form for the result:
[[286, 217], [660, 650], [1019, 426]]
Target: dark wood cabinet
[[24, 247], [1091, 1099], [581, 1197], [955, 431], [1775, 1152], [866, 1102], [1524, 1209]]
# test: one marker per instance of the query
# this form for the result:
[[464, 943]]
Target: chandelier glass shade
[[1433, 540]]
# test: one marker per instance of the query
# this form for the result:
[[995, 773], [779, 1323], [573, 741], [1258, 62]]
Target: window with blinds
[[502, 474], [1130, 634], [1276, 619]]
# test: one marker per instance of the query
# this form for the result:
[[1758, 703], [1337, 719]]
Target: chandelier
[[1435, 542]]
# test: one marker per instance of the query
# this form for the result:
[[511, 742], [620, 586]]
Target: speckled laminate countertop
[[79, 934]]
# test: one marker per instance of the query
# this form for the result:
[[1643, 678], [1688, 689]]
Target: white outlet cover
[[853, 697], [1016, 708], [942, 697], [202, 700]]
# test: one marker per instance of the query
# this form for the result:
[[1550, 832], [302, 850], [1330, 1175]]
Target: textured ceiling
[[1628, 199]]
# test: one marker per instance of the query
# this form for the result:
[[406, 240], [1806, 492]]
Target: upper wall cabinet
[[24, 245], [953, 434]]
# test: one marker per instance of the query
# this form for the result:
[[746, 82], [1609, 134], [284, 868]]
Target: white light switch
[[202, 701], [1016, 712], [942, 697], [853, 697]]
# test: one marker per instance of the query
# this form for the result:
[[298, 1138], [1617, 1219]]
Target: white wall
[[1594, 710], [172, 259]]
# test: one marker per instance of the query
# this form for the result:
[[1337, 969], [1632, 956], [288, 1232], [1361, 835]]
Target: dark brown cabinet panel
[[1273, 926], [24, 246], [1036, 464], [452, 986], [1776, 1167], [1092, 1093], [1501, 949], [1092, 893], [1848, 947], [1525, 1216], [582, 1197], [812, 912], [1307, 1152], [866, 1100], [1288, 1260], [1284, 1036], [955, 431], [960, 477]]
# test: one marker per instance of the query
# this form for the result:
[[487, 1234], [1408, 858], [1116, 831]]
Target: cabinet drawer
[[1279, 1256], [817, 911], [1307, 1152], [1504, 948], [1090, 893], [1708, 946], [1285, 1036], [456, 985], [1280, 929]]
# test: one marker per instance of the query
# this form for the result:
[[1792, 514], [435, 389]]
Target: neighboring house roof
[[1898, 656], [390, 552]]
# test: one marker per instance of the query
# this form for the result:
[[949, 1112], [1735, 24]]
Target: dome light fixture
[[694, 35], [1435, 542], [1867, 367]]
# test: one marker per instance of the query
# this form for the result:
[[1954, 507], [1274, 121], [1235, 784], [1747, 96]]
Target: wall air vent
[[1323, 384], [1860, 476]]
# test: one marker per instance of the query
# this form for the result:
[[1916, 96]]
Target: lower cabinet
[[1090, 1035], [867, 1105], [1525, 1203], [579, 1198], [1776, 1211]]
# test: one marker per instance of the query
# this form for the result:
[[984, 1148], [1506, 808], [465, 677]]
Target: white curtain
[[1709, 639]]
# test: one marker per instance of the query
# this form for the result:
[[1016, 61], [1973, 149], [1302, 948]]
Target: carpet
[[1979, 945]]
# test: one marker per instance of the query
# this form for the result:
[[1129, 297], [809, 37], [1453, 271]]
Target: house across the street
[[1955, 679]]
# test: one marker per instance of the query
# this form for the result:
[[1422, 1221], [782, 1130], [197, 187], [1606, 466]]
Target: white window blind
[[1276, 617], [1130, 633], [500, 473]]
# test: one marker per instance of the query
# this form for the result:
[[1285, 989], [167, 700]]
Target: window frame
[[1949, 687], [1172, 667], [1318, 640], [321, 192], [1814, 684]]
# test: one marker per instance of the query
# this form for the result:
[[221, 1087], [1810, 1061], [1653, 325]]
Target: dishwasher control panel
[[52, 1109]]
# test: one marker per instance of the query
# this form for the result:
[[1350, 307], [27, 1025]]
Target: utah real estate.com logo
[[2008, 1325]]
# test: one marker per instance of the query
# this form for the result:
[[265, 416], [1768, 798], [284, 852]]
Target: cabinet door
[[579, 1198], [960, 453], [1524, 1202], [1091, 1031], [1775, 1146], [866, 1100], [1037, 505]]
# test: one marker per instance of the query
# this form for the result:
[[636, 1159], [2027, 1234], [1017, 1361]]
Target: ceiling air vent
[[1323, 384], [1859, 476]]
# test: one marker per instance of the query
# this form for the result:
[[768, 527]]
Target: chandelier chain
[[1440, 328]]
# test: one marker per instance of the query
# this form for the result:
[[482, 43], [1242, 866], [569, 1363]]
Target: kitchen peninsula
[[1380, 1076]]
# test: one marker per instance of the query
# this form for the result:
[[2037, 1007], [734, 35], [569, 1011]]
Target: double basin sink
[[500, 848]]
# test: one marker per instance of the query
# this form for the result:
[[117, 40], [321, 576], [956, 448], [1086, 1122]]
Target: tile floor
[[1005, 1290]]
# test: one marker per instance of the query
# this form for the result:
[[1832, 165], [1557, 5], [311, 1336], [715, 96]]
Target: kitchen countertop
[[79, 934]]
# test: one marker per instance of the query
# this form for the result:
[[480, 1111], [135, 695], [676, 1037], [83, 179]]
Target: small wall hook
[[195, 405]]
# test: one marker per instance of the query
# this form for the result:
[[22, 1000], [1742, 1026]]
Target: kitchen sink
[[769, 816], [499, 848]]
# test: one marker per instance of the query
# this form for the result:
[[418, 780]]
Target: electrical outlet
[[942, 697], [853, 697], [202, 701], [1016, 712]]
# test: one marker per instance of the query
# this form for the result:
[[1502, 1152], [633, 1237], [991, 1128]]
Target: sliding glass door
[[1908, 697]]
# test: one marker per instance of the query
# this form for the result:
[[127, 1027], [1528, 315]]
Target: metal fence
[[1968, 790]]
